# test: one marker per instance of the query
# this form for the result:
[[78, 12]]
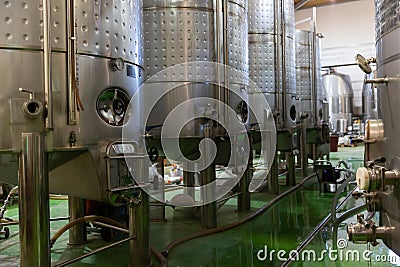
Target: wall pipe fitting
[[361, 234], [377, 80]]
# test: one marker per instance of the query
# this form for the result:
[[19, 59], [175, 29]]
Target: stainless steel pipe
[[47, 64]]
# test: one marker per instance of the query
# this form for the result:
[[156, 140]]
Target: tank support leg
[[34, 213], [207, 177], [77, 234], [139, 227], [244, 201], [303, 150], [158, 213], [273, 183], [189, 181], [291, 176]]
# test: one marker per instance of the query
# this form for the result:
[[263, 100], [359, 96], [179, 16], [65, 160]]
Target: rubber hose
[[337, 194], [180, 241], [89, 218]]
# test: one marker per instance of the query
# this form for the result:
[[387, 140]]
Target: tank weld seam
[[29, 49], [390, 59], [240, 5], [262, 33], [179, 7], [108, 57], [383, 34]]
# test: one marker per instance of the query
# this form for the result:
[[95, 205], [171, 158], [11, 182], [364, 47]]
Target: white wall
[[348, 29]]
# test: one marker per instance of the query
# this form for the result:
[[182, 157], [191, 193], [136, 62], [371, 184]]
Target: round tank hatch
[[111, 106], [292, 113]]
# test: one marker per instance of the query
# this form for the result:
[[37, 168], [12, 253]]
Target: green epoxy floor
[[283, 227]]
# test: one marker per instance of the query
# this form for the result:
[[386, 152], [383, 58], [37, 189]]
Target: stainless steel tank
[[385, 183], [381, 174], [96, 64], [272, 58], [340, 97], [178, 32], [308, 104]]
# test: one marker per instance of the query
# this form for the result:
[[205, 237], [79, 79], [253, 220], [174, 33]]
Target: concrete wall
[[348, 29]]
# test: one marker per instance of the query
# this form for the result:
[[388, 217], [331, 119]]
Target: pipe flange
[[362, 178], [32, 108]]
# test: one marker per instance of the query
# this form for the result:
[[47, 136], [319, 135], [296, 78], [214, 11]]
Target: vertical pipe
[[277, 62], [226, 56], [47, 64], [283, 57], [34, 214], [222, 57], [207, 176], [218, 44], [77, 234], [139, 227], [71, 64], [314, 67]]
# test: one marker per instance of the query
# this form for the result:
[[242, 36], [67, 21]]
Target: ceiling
[[299, 4]]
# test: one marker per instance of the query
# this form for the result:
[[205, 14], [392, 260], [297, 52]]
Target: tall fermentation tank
[[96, 61], [177, 32], [310, 99], [388, 65], [340, 98], [272, 58]]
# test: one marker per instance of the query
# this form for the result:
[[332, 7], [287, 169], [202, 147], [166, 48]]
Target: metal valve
[[365, 231]]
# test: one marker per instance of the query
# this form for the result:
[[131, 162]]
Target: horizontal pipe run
[[68, 262]]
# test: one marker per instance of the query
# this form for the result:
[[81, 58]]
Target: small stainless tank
[[340, 97], [369, 100], [177, 32], [96, 53], [306, 104], [272, 58]]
